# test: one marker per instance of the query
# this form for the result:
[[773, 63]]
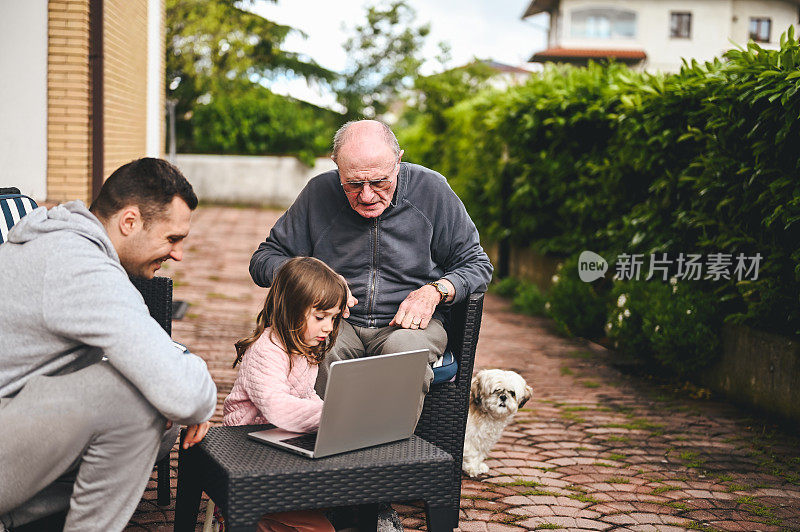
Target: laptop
[[368, 401]]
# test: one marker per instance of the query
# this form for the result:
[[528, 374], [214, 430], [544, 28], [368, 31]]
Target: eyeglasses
[[378, 185]]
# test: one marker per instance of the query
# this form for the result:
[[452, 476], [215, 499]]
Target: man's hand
[[417, 308], [195, 434], [351, 301]]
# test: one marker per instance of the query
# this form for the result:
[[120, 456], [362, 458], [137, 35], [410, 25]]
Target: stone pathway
[[593, 450]]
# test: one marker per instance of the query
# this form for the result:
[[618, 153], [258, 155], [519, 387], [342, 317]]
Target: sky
[[486, 29]]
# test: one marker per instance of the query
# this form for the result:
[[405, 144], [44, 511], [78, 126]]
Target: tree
[[216, 47], [423, 125], [384, 57], [436, 94]]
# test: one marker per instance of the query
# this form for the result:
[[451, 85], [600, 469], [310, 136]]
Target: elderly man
[[396, 232], [91, 387]]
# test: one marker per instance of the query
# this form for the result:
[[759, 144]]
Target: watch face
[[442, 289]]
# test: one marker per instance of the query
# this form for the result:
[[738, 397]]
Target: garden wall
[[525, 264], [758, 369], [273, 181]]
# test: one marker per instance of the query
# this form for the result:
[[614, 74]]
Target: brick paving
[[593, 450]]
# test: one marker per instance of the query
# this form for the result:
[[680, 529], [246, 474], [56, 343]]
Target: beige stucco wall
[[783, 14], [714, 24], [23, 97], [156, 85]]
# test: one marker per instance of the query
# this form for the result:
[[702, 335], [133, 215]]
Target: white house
[[506, 75], [657, 34]]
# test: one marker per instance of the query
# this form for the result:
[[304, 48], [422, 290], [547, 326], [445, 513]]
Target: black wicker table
[[247, 479]]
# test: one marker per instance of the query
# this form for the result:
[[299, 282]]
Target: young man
[[91, 388]]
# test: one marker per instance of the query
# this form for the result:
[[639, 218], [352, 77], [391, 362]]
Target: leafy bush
[[506, 287], [255, 121], [578, 308], [615, 161], [683, 327], [529, 299], [526, 297], [422, 126], [671, 325], [630, 303]]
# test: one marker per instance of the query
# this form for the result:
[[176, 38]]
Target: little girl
[[279, 364]]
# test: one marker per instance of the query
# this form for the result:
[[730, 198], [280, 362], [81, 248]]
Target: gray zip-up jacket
[[424, 235], [66, 301]]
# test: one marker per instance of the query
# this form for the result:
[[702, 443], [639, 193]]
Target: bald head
[[367, 152], [363, 135]]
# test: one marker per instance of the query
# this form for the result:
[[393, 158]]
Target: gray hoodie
[[66, 301]]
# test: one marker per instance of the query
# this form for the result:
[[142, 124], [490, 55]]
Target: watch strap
[[443, 292]]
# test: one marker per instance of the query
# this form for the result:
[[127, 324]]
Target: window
[[680, 25], [760, 29], [600, 23]]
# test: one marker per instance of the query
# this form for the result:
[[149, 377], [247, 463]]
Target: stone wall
[[758, 369], [526, 264], [273, 181]]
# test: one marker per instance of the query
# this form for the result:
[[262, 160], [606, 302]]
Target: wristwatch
[[442, 289]]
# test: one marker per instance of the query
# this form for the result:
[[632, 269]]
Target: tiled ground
[[593, 450]]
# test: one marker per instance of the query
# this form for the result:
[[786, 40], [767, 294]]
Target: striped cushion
[[445, 368], [12, 208]]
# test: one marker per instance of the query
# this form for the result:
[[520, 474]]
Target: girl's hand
[[351, 301]]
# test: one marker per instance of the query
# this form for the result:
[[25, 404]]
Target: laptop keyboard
[[306, 441]]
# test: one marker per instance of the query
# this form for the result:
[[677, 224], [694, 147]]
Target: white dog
[[494, 398]]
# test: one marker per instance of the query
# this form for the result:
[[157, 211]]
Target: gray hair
[[343, 136]]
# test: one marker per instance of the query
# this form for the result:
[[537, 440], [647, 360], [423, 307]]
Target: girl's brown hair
[[301, 284]]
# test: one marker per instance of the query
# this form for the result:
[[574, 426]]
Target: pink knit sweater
[[266, 391]]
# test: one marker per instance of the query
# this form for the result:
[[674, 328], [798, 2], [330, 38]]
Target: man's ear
[[129, 219]]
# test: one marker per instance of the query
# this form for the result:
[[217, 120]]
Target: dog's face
[[499, 393]]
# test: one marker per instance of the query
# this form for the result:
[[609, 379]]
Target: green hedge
[[675, 325], [255, 121], [615, 161]]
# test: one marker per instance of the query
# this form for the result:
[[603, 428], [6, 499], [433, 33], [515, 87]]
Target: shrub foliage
[[615, 161], [252, 120], [606, 159]]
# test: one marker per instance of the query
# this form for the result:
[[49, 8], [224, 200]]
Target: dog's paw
[[473, 470]]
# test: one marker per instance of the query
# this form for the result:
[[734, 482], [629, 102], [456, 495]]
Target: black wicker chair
[[444, 415], [157, 294]]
